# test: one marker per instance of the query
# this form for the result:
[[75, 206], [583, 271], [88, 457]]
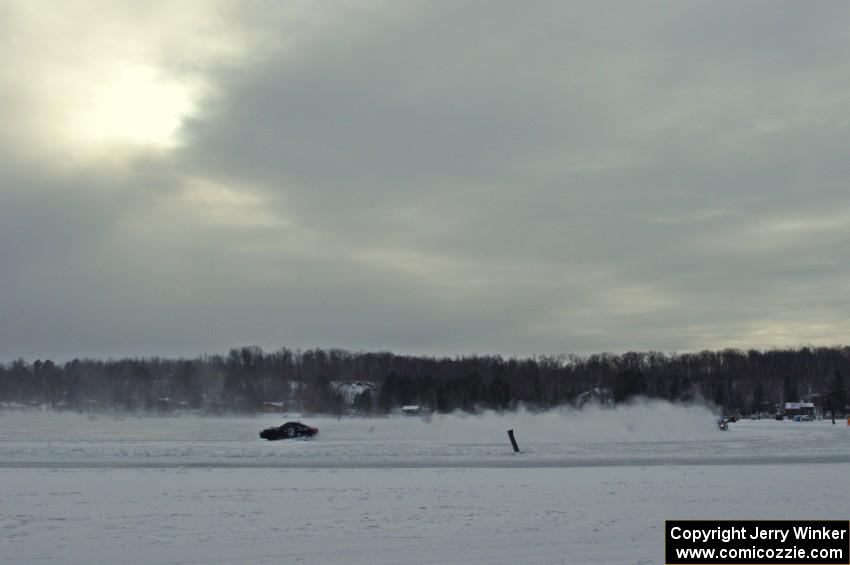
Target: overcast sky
[[178, 178]]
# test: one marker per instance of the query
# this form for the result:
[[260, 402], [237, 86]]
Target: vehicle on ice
[[724, 421], [289, 430]]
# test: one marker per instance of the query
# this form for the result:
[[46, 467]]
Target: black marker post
[[513, 441]]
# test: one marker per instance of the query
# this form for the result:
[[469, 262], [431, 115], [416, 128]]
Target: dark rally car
[[289, 430]]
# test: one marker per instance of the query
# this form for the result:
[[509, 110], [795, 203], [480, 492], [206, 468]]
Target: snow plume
[[645, 420]]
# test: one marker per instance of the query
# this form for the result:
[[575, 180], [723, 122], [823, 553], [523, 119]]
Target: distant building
[[350, 390], [166, 404], [273, 407], [596, 395], [802, 409]]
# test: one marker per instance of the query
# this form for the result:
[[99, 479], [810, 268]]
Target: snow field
[[589, 487], [384, 516]]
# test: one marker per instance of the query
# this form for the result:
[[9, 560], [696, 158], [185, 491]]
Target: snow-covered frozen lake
[[589, 487]]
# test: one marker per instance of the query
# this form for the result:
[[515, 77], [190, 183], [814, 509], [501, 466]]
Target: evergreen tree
[[838, 393], [629, 384], [790, 388]]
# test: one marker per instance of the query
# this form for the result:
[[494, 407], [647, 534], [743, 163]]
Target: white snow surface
[[590, 486], [649, 433]]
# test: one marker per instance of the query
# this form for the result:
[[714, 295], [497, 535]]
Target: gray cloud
[[455, 177]]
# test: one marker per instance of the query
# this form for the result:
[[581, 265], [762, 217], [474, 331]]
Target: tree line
[[248, 379]]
